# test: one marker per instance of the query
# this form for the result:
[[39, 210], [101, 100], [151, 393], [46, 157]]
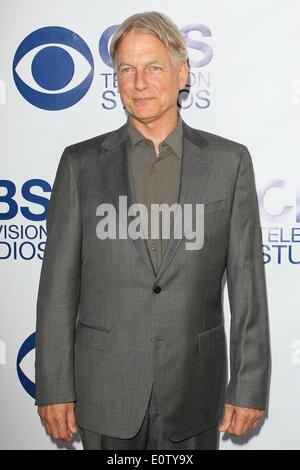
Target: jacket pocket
[[211, 340], [214, 206], [92, 337]]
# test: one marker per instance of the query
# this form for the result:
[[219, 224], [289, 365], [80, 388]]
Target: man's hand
[[238, 420], [59, 420]]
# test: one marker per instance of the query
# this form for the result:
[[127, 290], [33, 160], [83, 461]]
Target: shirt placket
[[155, 197]]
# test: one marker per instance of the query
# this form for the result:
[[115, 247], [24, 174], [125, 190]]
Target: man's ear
[[183, 74]]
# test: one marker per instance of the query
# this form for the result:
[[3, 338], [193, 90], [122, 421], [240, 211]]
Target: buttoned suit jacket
[[108, 324]]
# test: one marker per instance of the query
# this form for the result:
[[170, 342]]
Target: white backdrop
[[244, 85]]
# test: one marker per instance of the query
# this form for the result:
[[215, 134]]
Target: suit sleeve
[[249, 332], [59, 288]]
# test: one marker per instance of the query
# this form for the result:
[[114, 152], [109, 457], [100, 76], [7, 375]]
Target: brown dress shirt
[[156, 179]]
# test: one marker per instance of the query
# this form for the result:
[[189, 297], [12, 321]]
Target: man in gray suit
[[131, 344]]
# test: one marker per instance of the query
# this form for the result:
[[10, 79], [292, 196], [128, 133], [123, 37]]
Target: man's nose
[[140, 80]]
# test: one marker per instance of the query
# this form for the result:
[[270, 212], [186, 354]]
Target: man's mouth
[[142, 100]]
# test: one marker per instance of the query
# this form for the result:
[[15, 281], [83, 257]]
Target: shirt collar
[[173, 139]]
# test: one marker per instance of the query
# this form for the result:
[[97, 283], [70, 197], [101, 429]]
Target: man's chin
[[144, 116]]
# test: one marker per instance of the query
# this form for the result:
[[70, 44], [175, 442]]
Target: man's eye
[[125, 69]]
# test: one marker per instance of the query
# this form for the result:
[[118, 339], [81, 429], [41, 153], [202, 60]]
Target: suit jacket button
[[157, 289]]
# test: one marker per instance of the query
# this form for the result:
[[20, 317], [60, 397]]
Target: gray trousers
[[151, 435]]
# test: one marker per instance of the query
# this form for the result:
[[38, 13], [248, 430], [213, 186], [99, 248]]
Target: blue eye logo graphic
[[46, 59], [26, 348]]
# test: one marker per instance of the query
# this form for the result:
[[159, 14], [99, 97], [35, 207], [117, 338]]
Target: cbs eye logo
[[44, 68], [25, 349]]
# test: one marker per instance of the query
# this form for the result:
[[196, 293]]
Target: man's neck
[[156, 130]]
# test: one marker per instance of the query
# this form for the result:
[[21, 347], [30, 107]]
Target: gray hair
[[158, 24]]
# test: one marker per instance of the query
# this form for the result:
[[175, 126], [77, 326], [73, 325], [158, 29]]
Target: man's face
[[145, 70]]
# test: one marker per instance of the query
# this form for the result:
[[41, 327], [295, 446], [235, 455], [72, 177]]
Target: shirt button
[[153, 246]]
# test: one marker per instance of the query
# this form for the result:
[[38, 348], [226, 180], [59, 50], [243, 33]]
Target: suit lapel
[[119, 182], [195, 170]]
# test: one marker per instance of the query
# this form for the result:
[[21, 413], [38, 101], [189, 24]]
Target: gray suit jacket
[[103, 333]]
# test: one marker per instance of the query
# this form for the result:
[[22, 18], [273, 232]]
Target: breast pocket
[[211, 340], [218, 204], [93, 337]]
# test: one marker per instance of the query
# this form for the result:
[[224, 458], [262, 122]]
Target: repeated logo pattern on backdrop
[[58, 58], [58, 87]]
